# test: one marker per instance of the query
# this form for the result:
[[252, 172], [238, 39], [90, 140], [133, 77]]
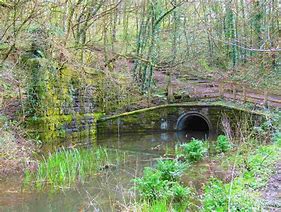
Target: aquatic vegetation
[[66, 167], [194, 150], [223, 144]]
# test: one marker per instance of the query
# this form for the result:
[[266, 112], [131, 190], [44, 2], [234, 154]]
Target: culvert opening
[[193, 126]]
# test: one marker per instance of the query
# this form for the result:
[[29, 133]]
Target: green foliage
[[66, 167], [36, 102], [223, 144], [151, 186], [162, 182], [239, 194], [277, 138], [194, 150], [215, 198], [259, 166], [170, 170], [227, 197], [161, 205], [158, 205]]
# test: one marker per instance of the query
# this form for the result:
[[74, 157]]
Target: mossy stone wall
[[152, 119], [60, 103]]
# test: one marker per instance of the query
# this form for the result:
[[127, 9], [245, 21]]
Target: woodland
[[64, 63]]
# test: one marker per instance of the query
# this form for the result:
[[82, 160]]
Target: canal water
[[112, 188]]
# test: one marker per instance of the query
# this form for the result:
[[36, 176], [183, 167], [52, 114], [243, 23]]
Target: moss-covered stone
[[151, 119], [58, 102]]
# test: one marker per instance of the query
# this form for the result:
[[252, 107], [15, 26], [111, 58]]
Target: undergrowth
[[242, 192], [223, 144], [161, 186]]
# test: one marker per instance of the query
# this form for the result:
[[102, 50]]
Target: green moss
[[172, 108], [49, 92]]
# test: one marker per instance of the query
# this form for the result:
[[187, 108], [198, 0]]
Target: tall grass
[[66, 167], [160, 205]]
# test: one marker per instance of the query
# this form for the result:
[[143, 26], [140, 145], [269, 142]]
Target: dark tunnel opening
[[193, 126]]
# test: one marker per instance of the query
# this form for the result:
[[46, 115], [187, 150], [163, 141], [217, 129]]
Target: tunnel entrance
[[193, 125]]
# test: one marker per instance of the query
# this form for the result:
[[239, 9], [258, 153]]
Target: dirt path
[[200, 89], [272, 192]]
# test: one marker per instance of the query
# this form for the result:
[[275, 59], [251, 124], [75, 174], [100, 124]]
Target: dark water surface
[[110, 189]]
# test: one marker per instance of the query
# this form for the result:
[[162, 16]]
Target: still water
[[111, 189]]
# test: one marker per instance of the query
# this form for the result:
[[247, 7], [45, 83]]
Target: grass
[[242, 193], [65, 168], [161, 205]]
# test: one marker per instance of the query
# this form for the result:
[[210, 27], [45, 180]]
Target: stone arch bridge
[[201, 117]]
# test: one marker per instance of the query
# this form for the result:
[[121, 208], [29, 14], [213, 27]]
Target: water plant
[[66, 167], [194, 150], [223, 144]]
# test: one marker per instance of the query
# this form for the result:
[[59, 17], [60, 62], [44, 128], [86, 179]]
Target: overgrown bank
[[250, 165]]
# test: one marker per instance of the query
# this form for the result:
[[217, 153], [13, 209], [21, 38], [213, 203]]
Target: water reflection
[[147, 142], [111, 188]]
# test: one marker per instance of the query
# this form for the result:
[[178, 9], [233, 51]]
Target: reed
[[66, 167]]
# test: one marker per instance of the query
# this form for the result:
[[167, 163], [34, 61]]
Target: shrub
[[171, 170], [162, 182], [151, 186], [194, 150], [223, 144], [178, 193]]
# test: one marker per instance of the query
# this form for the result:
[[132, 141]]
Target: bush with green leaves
[[151, 186], [162, 182], [223, 144], [194, 150], [171, 170]]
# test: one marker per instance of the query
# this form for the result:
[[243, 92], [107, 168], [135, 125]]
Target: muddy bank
[[272, 192]]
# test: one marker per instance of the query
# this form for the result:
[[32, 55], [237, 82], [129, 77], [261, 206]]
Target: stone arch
[[194, 122]]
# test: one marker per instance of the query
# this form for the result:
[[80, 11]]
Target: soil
[[205, 89], [272, 192]]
